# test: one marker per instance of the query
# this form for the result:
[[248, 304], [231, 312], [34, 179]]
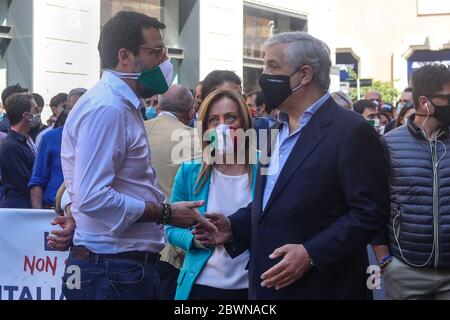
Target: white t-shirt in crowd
[[227, 194]]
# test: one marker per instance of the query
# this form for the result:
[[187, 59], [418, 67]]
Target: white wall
[[221, 36], [386, 33], [65, 39]]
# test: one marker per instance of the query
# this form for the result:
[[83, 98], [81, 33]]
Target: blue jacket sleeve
[[180, 237], [367, 195], [42, 165], [241, 226]]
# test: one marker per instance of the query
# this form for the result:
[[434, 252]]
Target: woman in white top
[[225, 186]]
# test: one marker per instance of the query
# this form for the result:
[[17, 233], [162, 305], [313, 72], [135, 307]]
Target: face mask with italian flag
[[222, 138]]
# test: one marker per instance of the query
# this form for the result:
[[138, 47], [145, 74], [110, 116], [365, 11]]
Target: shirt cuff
[[65, 201]]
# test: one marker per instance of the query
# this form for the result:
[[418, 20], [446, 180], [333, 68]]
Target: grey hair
[[303, 49], [178, 100], [342, 99], [78, 92]]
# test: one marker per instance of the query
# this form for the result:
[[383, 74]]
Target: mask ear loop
[[423, 124]]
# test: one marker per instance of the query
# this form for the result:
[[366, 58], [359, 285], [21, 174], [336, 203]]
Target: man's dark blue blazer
[[332, 196]]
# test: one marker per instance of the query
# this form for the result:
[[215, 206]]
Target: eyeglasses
[[158, 50], [438, 95]]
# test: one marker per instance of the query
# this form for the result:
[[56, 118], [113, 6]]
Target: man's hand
[[62, 239], [186, 214], [293, 266], [214, 239]]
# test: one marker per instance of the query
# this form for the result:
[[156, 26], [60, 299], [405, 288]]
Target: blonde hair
[[247, 123]]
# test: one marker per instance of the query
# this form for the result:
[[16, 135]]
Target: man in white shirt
[[118, 209]]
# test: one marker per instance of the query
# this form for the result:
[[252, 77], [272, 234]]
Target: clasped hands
[[295, 262]]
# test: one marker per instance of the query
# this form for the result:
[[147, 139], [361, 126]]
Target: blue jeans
[[111, 280]]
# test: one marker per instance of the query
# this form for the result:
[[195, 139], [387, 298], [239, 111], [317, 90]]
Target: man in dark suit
[[324, 195]]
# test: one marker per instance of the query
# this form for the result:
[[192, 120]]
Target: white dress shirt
[[227, 194], [107, 169]]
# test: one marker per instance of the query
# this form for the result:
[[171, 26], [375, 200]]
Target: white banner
[[29, 269]]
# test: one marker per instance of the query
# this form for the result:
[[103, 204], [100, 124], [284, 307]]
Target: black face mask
[[442, 114], [276, 89]]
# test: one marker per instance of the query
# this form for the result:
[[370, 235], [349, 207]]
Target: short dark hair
[[260, 99], [61, 121], [124, 30], [58, 99], [16, 105], [217, 78], [429, 79], [409, 89], [39, 100], [362, 105], [9, 91]]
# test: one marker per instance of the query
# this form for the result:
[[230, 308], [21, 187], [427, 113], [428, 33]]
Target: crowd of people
[[151, 209]]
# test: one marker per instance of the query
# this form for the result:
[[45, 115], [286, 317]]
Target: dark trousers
[[169, 276], [200, 292], [103, 279]]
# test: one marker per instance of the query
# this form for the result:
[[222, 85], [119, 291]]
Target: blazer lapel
[[260, 183], [310, 138]]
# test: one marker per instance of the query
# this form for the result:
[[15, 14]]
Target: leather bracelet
[[166, 214]]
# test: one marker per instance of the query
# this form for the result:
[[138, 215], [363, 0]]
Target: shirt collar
[[17, 136], [167, 113], [414, 128], [283, 117], [121, 88]]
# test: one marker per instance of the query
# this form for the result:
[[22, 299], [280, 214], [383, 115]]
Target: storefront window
[[422, 58]]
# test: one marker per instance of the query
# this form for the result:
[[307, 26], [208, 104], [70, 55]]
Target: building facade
[[387, 40], [51, 46]]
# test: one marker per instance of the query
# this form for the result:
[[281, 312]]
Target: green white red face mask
[[223, 139], [156, 80]]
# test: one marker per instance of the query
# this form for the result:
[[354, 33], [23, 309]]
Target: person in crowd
[[211, 274], [375, 97], [152, 107], [5, 125], [251, 103], [389, 111], [384, 118], [58, 106], [262, 112], [405, 99], [198, 95], [47, 174], [343, 99], [316, 206], [414, 249], [197, 104], [170, 137], [108, 174], [407, 111], [367, 109], [220, 79], [18, 152], [39, 126]]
